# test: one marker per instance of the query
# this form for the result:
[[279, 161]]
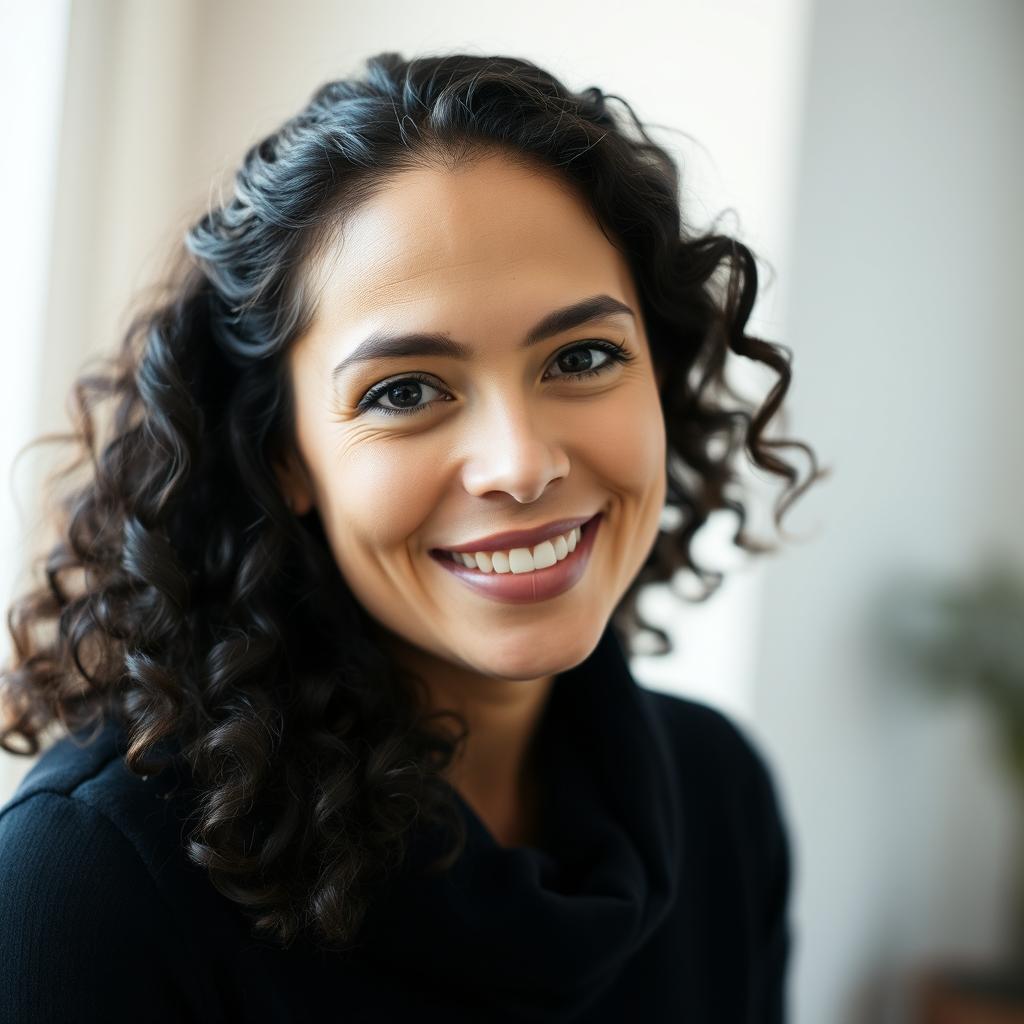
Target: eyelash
[[616, 353]]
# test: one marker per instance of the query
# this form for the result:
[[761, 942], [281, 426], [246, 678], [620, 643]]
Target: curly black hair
[[190, 603]]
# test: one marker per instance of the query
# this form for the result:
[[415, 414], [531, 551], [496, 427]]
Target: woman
[[392, 455]]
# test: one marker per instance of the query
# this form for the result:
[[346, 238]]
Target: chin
[[529, 657]]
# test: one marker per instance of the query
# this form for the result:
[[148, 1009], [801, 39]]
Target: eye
[[404, 389], [581, 363], [409, 389]]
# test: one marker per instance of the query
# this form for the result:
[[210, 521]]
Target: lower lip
[[526, 587]]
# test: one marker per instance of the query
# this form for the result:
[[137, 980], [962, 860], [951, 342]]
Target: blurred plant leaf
[[968, 637]]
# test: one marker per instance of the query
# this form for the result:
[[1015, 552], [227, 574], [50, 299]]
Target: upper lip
[[520, 538]]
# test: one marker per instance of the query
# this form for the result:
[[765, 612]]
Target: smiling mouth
[[526, 584], [519, 560]]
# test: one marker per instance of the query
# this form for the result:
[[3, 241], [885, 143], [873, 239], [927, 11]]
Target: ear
[[657, 365], [294, 482]]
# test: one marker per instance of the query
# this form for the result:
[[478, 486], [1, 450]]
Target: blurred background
[[870, 154]]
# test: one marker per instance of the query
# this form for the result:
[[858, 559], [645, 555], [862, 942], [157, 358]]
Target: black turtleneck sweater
[[660, 894]]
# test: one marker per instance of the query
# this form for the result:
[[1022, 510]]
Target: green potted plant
[[968, 637]]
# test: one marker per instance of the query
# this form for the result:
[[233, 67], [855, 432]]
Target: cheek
[[625, 443], [377, 495]]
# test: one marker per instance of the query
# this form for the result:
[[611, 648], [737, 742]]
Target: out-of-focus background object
[[965, 638], [871, 153]]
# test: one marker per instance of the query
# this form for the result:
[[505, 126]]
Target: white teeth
[[544, 555], [520, 560]]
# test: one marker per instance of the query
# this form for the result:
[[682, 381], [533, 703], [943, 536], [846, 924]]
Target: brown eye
[[577, 362], [405, 393], [402, 392]]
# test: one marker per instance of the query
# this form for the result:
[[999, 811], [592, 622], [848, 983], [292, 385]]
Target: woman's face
[[502, 439]]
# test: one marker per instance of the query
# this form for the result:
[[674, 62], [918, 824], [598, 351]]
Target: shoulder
[[60, 854], [739, 850], [82, 784], [85, 924], [727, 784], [51, 822], [709, 742]]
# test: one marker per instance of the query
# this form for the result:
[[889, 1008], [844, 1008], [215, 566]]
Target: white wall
[[97, 94], [906, 269], [122, 197], [33, 40]]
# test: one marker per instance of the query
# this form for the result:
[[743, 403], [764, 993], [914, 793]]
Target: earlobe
[[659, 373], [293, 482]]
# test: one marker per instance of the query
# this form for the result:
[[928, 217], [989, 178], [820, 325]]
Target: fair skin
[[501, 440]]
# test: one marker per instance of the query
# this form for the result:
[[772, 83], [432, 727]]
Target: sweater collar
[[545, 931]]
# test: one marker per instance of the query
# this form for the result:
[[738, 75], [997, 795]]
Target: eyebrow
[[385, 345]]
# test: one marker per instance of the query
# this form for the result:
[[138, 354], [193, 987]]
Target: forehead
[[491, 241]]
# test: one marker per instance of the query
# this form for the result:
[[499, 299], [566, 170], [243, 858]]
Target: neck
[[495, 770]]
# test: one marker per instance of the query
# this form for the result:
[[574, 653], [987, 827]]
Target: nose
[[515, 451]]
